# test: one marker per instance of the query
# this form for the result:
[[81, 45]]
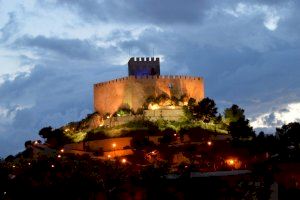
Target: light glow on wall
[[153, 106]]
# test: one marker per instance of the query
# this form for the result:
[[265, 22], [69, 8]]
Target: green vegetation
[[165, 100], [123, 111], [241, 129], [56, 138], [205, 110], [77, 137], [233, 114], [197, 115], [289, 134], [186, 124]]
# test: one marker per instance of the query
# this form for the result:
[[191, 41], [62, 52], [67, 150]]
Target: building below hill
[[143, 81]]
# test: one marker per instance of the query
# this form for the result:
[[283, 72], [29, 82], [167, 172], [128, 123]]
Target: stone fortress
[[143, 80]]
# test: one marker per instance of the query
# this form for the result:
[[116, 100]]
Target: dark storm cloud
[[54, 94], [247, 65], [72, 48], [57, 91], [154, 11], [148, 11]]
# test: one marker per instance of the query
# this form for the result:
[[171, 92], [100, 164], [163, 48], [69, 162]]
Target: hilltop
[[109, 159]]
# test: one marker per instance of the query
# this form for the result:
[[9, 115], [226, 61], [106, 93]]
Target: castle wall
[[95, 145], [166, 114], [116, 121], [134, 90], [106, 144]]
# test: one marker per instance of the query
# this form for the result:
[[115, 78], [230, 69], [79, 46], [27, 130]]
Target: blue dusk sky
[[53, 51]]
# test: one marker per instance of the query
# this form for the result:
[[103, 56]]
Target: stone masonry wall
[[134, 90], [166, 114]]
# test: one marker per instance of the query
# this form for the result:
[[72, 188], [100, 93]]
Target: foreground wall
[[133, 90], [95, 145], [166, 114]]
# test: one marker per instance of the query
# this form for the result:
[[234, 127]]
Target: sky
[[53, 51]]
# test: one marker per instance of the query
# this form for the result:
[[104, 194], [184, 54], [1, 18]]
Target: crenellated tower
[[143, 66]]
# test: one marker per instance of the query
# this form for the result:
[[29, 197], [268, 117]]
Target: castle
[[143, 80]]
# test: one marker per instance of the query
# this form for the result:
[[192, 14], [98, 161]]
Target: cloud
[[72, 48], [49, 96], [8, 114], [147, 11], [277, 118], [271, 21], [270, 14], [9, 28]]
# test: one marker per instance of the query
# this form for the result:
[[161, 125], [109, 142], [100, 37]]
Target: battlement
[[143, 66], [127, 78], [143, 59]]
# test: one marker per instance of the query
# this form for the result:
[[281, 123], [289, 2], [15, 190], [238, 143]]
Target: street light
[[124, 160], [209, 143], [230, 162]]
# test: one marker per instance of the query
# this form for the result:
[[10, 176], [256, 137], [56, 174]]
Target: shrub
[[139, 141], [91, 135], [168, 136]]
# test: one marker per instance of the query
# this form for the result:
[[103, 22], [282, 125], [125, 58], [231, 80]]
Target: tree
[[289, 134], [233, 114], [241, 129], [175, 100], [139, 141], [45, 132], [55, 138], [188, 114], [167, 136], [191, 102], [206, 110], [123, 111], [189, 110], [28, 144], [162, 97], [261, 135]]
